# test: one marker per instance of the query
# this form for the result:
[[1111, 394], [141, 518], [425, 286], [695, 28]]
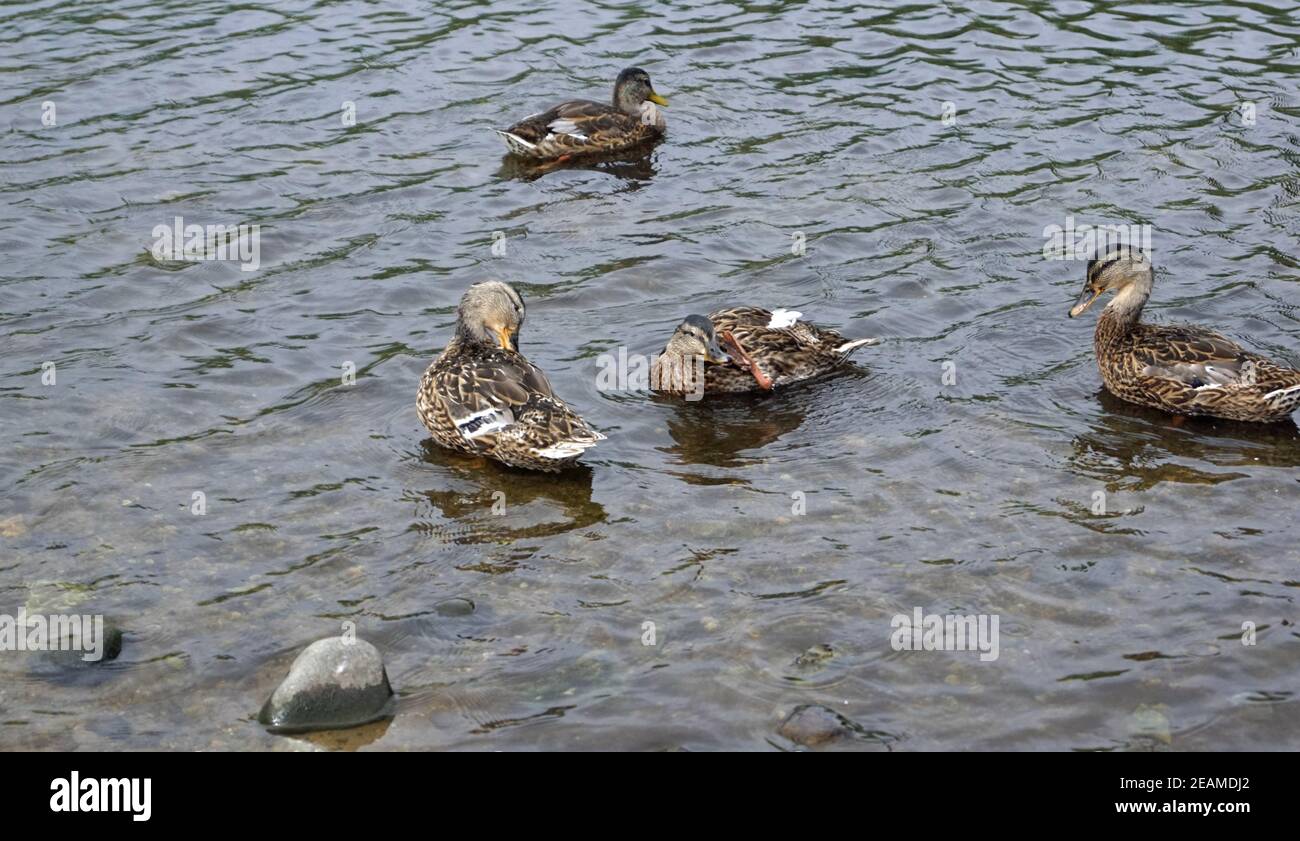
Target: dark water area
[[957, 467]]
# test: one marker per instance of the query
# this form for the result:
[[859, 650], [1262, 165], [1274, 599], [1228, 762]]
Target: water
[[1119, 631]]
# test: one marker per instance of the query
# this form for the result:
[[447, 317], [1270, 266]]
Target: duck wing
[[578, 125], [784, 347], [1198, 371], [1193, 356], [505, 403]]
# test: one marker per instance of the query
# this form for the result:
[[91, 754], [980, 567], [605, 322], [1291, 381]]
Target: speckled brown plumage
[[1182, 369], [489, 400], [584, 127], [784, 355]]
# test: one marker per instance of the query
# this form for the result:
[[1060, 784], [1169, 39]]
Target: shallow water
[[324, 504]]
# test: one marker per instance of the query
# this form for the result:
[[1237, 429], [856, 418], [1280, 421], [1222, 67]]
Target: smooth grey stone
[[331, 685], [454, 607], [66, 664]]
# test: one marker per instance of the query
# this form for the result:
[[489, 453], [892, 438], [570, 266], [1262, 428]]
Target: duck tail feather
[[848, 347], [517, 144]]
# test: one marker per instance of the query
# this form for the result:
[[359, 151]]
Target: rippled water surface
[[324, 504]]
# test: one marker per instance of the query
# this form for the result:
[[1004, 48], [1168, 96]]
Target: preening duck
[[481, 396], [747, 349]]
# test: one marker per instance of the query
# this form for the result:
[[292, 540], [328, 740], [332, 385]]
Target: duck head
[[633, 88], [491, 313], [694, 339], [1124, 270]]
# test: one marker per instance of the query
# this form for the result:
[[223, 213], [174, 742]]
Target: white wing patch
[[484, 422], [1229, 376], [1209, 376], [1281, 391], [563, 126], [783, 318]]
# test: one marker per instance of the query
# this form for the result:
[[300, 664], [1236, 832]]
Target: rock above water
[[812, 725], [71, 652], [66, 658], [334, 683]]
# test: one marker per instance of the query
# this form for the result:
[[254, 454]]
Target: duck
[[584, 127], [747, 349], [481, 396], [1181, 369]]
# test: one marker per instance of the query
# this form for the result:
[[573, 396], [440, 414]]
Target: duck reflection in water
[[716, 431], [1135, 448], [630, 165], [487, 502]]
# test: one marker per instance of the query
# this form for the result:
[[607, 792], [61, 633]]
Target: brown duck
[[583, 127], [1183, 369], [481, 396], [747, 349]]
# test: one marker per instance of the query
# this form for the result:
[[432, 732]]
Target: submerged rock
[[815, 657], [1152, 723], [334, 683], [811, 725], [12, 527], [454, 607]]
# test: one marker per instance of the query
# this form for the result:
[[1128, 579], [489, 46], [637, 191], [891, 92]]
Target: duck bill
[[1087, 299], [657, 99], [506, 339]]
